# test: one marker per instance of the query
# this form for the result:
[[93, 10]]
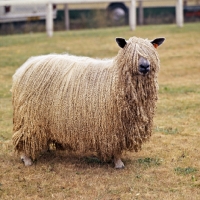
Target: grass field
[[168, 167]]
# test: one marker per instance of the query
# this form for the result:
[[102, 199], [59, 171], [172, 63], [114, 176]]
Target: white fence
[[49, 10]]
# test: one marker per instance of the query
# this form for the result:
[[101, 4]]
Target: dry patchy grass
[[168, 167]]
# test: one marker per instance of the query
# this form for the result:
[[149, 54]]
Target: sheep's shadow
[[70, 158]]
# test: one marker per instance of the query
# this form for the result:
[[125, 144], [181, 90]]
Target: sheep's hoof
[[26, 160], [119, 164]]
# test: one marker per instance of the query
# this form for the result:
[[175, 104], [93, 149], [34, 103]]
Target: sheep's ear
[[157, 42], [121, 42]]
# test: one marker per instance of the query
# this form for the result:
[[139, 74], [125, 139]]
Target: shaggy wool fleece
[[84, 104]]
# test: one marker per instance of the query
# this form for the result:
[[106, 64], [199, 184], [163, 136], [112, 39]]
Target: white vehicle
[[18, 13]]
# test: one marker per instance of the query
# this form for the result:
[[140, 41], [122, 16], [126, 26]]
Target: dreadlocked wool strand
[[83, 104]]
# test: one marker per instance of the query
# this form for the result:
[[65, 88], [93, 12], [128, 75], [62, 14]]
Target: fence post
[[141, 13], [132, 15], [67, 26], [49, 19], [179, 13]]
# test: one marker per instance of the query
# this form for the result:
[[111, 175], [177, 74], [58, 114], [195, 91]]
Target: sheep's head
[[143, 51]]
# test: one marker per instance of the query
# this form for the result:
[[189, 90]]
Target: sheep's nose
[[144, 65]]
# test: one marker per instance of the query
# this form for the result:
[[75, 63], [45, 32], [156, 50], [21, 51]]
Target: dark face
[[143, 66]]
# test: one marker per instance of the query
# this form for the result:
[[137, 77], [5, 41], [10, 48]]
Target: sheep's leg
[[118, 163], [26, 160]]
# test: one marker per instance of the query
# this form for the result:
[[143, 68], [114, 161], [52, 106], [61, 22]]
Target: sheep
[[82, 104]]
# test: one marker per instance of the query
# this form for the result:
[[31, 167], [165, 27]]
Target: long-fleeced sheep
[[87, 105]]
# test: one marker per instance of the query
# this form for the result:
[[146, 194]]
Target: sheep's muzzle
[[144, 66]]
